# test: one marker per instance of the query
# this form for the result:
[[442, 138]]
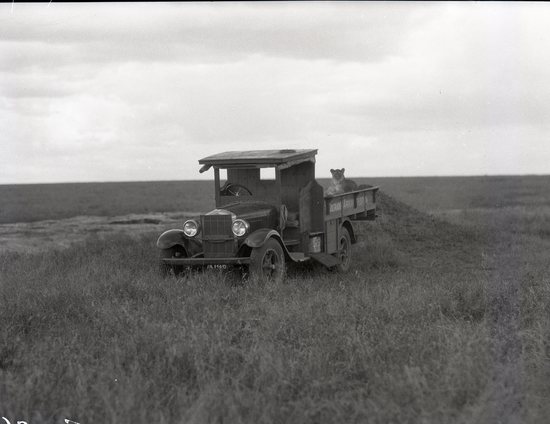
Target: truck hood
[[248, 210], [258, 214]]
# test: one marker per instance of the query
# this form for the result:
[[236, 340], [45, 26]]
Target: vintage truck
[[270, 210]]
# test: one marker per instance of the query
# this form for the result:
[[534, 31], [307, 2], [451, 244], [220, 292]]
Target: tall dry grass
[[435, 323]]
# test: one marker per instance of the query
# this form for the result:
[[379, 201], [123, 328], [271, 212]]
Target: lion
[[340, 184]]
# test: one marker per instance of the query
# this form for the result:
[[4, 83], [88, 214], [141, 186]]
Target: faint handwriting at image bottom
[[67, 421]]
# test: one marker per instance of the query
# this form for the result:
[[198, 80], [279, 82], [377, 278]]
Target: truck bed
[[358, 205]]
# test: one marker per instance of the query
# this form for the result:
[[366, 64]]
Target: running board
[[298, 256], [325, 259]]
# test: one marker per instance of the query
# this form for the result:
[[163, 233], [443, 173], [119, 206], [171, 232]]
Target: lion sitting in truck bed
[[340, 184]]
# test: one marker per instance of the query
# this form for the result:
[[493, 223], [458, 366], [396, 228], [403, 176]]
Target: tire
[[267, 263], [344, 251], [172, 252]]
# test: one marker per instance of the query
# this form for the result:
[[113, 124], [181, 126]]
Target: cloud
[[35, 86], [472, 67], [206, 32], [109, 91]]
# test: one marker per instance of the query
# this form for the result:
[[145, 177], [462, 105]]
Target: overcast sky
[[118, 92]]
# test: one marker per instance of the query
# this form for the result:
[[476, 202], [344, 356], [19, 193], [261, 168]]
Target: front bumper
[[205, 261]]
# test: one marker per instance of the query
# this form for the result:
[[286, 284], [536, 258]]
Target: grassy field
[[34, 202], [444, 318]]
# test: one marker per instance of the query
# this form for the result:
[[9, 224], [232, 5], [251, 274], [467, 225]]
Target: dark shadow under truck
[[263, 221]]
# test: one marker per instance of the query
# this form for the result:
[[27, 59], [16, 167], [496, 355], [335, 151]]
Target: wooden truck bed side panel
[[351, 203], [331, 235]]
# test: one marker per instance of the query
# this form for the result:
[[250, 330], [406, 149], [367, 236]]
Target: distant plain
[[444, 316]]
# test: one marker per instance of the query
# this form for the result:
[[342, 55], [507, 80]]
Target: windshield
[[236, 184]]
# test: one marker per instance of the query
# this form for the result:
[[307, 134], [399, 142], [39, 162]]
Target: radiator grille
[[218, 241], [223, 249]]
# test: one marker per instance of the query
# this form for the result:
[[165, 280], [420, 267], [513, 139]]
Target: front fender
[[171, 238], [259, 237], [176, 237]]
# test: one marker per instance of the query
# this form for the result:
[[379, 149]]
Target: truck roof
[[258, 157]]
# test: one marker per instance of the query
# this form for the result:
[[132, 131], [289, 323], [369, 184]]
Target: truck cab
[[270, 210]]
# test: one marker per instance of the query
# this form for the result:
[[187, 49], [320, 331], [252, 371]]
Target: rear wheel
[[172, 252], [344, 251], [267, 263]]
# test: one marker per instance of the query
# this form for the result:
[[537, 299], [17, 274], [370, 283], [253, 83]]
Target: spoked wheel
[[267, 263], [172, 252], [344, 251]]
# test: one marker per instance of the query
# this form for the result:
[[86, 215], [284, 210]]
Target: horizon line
[[320, 178]]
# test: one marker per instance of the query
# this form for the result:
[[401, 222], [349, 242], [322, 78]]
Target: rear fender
[[348, 226], [259, 237]]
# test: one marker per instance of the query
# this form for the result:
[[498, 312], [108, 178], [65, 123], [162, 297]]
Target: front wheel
[[171, 252], [344, 251], [267, 263]]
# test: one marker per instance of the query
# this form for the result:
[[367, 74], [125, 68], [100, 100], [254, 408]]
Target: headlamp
[[190, 228], [240, 227]]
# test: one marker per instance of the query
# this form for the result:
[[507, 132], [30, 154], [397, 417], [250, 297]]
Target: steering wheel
[[230, 189]]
